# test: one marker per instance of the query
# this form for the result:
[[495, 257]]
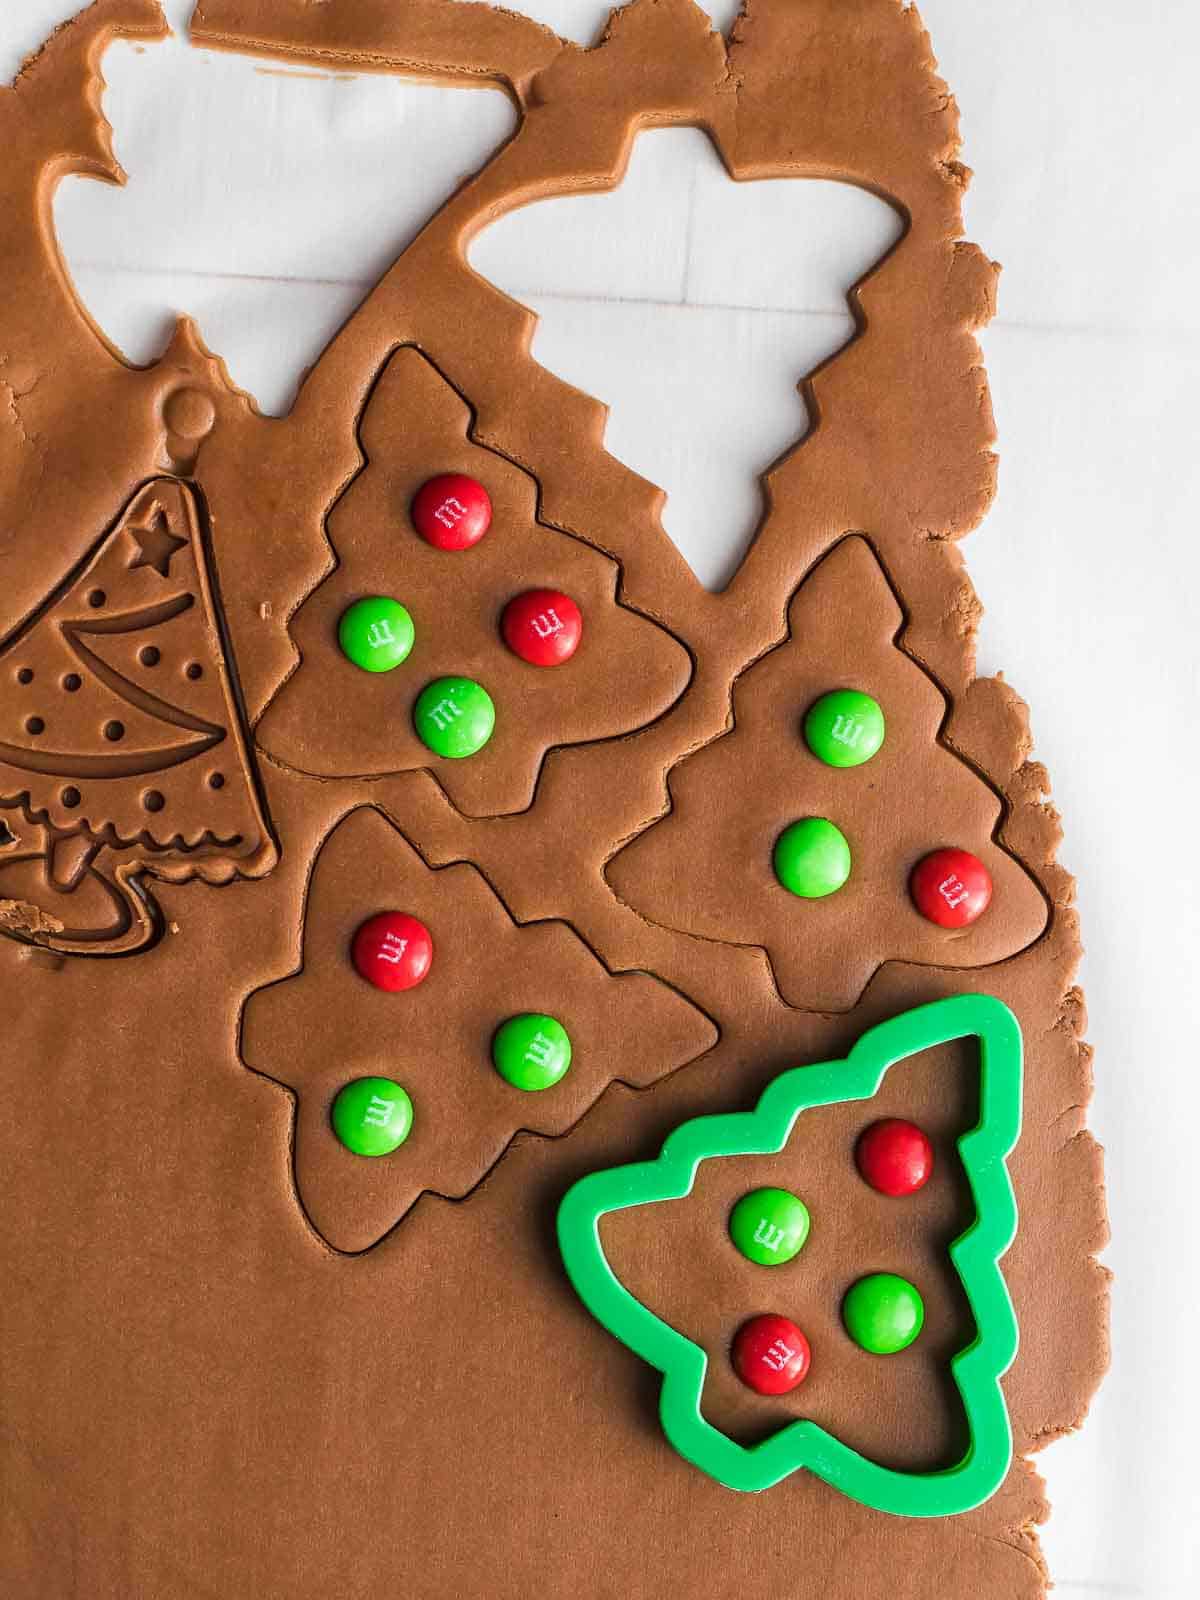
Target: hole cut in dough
[[693, 306], [263, 200], [24, 28], [584, 20]]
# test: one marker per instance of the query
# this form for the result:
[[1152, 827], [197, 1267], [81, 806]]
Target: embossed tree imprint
[[121, 746]]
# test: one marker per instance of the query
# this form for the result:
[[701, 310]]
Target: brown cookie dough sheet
[[200, 1396]]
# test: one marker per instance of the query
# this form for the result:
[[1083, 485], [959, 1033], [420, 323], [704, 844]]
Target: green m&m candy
[[844, 728], [454, 717], [812, 858], [883, 1313], [531, 1051], [372, 1116], [769, 1226], [376, 633]]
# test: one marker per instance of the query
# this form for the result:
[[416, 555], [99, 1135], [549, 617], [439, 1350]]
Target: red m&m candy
[[895, 1157], [393, 951], [771, 1355], [543, 627], [452, 511], [951, 888]]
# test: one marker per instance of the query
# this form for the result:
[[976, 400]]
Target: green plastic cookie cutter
[[976, 1254]]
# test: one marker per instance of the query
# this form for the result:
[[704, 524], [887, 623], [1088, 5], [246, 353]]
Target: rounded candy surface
[[883, 1313], [769, 1226], [894, 1157], [372, 1116], [454, 717], [844, 728], [452, 511], [770, 1354], [376, 633], [951, 887], [812, 858], [542, 626], [532, 1051], [393, 951]]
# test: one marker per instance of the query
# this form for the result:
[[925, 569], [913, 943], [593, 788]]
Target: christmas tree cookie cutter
[[975, 1254]]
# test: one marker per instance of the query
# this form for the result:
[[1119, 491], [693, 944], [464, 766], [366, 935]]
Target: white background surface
[[1081, 123]]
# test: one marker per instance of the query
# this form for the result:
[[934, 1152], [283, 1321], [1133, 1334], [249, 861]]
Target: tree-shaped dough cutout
[[709, 866], [122, 747], [782, 1116], [335, 719], [328, 1026]]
